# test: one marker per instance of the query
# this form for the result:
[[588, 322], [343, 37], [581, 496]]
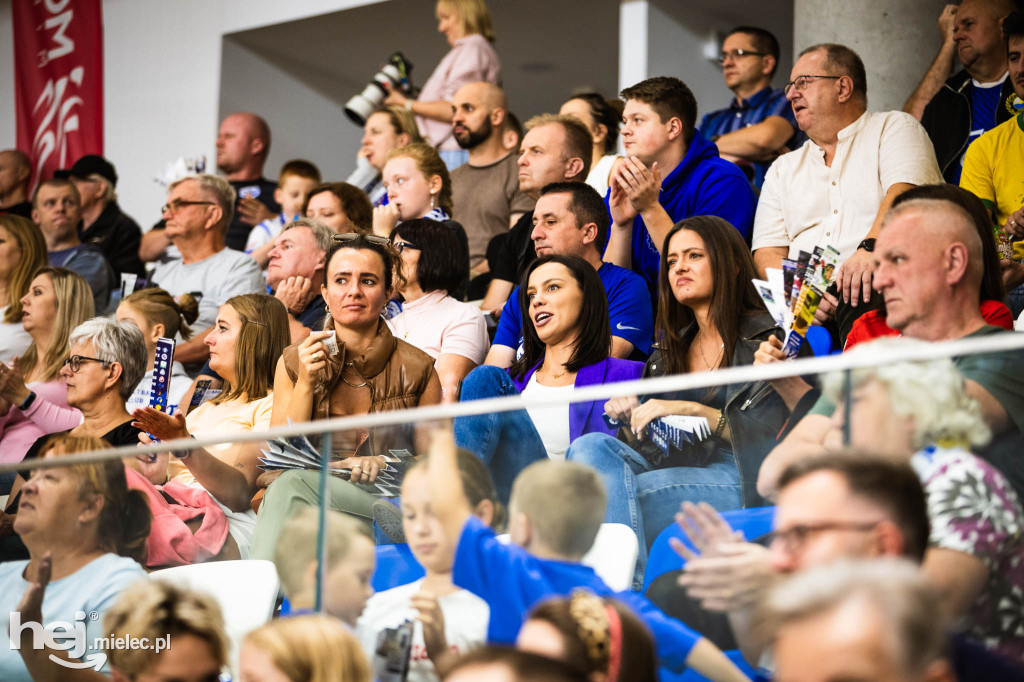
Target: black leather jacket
[[947, 118], [755, 412]]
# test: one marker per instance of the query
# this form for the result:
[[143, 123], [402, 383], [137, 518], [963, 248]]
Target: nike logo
[[621, 327]]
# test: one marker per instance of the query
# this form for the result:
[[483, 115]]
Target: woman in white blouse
[[434, 263]]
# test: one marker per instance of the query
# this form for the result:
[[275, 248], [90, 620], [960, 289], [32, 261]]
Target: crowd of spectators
[[468, 257]]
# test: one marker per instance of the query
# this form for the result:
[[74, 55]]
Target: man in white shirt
[[197, 214], [838, 185]]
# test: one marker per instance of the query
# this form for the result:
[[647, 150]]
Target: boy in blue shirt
[[555, 511]]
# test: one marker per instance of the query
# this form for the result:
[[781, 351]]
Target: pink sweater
[[49, 413]]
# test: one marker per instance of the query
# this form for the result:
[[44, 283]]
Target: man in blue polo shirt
[[669, 173], [758, 124], [570, 219]]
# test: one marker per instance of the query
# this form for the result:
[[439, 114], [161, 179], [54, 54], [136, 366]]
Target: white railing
[[650, 386]]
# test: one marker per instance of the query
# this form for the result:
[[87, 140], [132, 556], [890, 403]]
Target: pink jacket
[[49, 413]]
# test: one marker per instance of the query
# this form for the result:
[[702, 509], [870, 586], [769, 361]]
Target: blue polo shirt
[[512, 581], [702, 184], [754, 109], [630, 315]]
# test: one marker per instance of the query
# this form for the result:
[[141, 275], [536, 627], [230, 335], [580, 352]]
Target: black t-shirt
[[313, 316], [24, 209], [119, 436], [509, 253], [118, 237], [261, 189]]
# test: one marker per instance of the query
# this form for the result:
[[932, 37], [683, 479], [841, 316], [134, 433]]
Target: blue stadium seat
[[820, 340], [395, 566], [754, 523]]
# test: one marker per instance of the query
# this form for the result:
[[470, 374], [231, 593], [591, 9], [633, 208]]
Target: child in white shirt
[[296, 180]]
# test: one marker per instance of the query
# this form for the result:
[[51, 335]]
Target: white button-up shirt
[[805, 203]]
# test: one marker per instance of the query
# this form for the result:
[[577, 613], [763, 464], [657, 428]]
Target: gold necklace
[[552, 375], [700, 347]]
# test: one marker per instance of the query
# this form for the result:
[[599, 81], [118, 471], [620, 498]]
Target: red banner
[[58, 81]]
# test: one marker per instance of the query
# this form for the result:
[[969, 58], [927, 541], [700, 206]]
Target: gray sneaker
[[389, 518]]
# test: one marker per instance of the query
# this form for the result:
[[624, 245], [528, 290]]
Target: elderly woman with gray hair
[[918, 412], [106, 362]]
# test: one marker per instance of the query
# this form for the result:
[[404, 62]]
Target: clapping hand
[[160, 424], [432, 619]]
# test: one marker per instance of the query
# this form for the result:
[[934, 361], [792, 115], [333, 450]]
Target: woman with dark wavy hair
[[566, 344], [709, 317]]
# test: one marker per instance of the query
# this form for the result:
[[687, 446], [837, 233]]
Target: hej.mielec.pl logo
[[61, 635]]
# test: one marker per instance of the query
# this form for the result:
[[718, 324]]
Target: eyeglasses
[[736, 54], [800, 82], [793, 539], [402, 246], [178, 204], [76, 362], [355, 236]]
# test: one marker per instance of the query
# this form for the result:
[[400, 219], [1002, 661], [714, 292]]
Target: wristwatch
[[868, 245], [28, 401]]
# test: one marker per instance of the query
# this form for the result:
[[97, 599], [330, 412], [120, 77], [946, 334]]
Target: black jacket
[[947, 118], [755, 412], [118, 237]]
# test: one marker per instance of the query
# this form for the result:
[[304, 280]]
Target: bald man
[[485, 190], [15, 174], [975, 99], [929, 270], [243, 144]]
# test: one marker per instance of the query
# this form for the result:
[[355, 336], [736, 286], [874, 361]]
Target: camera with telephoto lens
[[395, 73]]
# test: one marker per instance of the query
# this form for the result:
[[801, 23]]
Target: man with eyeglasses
[[846, 505], [836, 188], [197, 214], [758, 124]]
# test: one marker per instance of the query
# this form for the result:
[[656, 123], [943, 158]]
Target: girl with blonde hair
[[245, 343], [159, 315], [312, 648], [418, 186]]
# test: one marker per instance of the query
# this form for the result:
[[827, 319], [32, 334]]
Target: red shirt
[[871, 325]]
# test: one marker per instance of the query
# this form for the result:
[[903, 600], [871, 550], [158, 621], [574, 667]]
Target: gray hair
[[109, 195], [322, 234], [219, 189], [895, 588], [120, 342], [930, 391]]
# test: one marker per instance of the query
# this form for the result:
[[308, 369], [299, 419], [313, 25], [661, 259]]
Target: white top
[[266, 231], [552, 422], [805, 203], [225, 274], [436, 323], [180, 381], [92, 589], [14, 340], [465, 624], [598, 175]]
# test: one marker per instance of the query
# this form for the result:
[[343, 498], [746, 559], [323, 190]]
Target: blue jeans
[[1015, 301], [646, 498], [507, 442]]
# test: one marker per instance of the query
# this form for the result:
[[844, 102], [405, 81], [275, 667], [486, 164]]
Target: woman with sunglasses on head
[[371, 371], [435, 263], [33, 397], [22, 252]]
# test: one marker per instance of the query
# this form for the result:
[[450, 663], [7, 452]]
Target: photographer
[[467, 26]]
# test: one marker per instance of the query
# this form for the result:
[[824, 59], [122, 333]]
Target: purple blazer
[[585, 417]]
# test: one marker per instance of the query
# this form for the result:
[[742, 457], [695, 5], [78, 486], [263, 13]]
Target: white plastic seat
[[246, 591], [613, 555]]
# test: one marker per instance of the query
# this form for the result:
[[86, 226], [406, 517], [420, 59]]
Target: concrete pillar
[[897, 39]]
